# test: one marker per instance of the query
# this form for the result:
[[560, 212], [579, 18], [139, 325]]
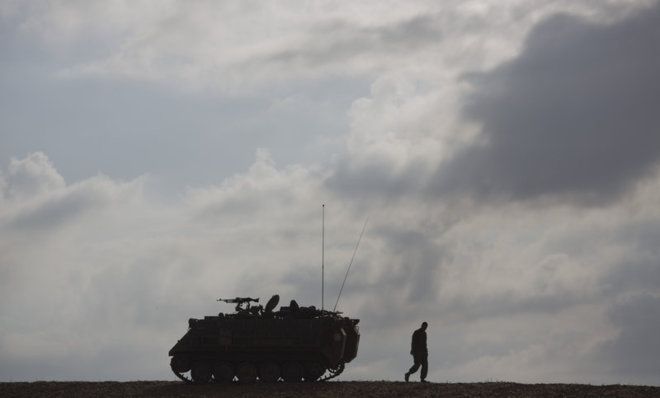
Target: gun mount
[[243, 305]]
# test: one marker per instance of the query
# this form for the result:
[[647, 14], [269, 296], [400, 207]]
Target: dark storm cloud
[[576, 113]]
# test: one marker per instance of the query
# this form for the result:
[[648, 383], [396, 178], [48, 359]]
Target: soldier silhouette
[[419, 352]]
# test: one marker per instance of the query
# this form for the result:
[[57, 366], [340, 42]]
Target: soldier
[[419, 352]]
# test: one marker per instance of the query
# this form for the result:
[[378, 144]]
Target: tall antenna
[[351, 263], [322, 255]]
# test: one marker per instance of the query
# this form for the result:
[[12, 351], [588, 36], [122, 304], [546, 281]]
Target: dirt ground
[[361, 389]]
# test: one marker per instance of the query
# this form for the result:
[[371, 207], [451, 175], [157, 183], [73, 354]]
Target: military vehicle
[[256, 343]]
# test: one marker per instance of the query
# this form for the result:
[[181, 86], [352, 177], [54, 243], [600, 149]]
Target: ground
[[361, 389]]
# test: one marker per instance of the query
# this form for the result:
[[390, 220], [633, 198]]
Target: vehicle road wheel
[[269, 372], [223, 372], [246, 372], [292, 372], [201, 372], [313, 370]]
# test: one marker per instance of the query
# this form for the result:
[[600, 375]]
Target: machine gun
[[243, 305]]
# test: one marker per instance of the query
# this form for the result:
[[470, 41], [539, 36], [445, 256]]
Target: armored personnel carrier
[[256, 343]]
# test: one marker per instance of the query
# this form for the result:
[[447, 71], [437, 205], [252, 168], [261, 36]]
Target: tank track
[[330, 374], [185, 379]]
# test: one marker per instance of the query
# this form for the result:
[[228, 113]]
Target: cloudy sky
[[157, 155]]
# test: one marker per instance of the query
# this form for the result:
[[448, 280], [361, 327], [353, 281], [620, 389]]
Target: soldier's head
[[424, 325]]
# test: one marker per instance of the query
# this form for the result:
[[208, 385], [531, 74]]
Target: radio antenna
[[351, 262], [322, 255]]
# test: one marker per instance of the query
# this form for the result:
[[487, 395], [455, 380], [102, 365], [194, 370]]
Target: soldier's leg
[[425, 367], [415, 366]]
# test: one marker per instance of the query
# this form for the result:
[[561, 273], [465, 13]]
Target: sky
[[158, 155]]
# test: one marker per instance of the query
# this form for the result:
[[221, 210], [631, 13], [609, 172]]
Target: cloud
[[418, 131], [253, 47], [364, 48], [31, 176], [36, 198], [574, 114]]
